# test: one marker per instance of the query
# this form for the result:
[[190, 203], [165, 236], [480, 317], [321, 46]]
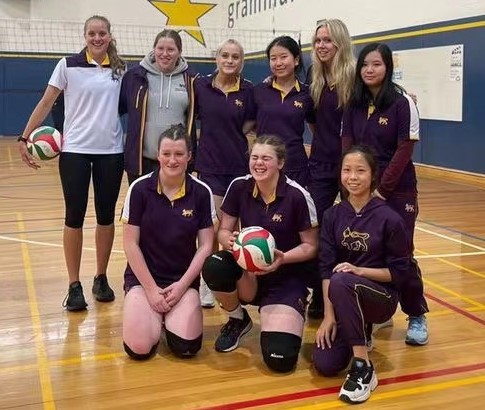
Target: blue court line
[[446, 228]]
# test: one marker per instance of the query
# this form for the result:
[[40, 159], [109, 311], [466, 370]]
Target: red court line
[[265, 401], [456, 309], [333, 390]]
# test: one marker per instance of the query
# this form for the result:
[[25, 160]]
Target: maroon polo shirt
[[223, 147], [285, 117], [290, 212], [326, 144], [384, 131], [168, 229]]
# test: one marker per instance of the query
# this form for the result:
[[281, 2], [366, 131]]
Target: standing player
[[269, 199], [384, 117], [283, 104], [93, 145], [225, 107], [156, 94], [331, 79], [364, 259], [168, 234]]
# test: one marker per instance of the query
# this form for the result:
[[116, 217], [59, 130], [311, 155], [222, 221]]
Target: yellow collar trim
[[370, 109], [235, 87], [92, 61], [256, 193], [180, 193]]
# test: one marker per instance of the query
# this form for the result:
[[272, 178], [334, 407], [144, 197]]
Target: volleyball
[[44, 143], [254, 248]]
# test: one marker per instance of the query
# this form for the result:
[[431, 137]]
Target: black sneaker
[[360, 382], [232, 332], [74, 299], [101, 290]]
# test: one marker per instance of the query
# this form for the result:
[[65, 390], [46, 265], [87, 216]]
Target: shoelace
[[229, 326]]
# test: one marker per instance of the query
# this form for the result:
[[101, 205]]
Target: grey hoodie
[[167, 101]]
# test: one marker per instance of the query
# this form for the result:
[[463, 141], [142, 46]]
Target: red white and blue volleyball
[[44, 143], [254, 248]]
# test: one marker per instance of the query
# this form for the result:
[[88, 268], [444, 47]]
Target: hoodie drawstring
[[169, 90], [168, 93]]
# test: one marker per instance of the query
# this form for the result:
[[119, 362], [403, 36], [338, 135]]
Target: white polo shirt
[[92, 123]]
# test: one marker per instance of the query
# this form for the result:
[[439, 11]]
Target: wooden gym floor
[[51, 359]]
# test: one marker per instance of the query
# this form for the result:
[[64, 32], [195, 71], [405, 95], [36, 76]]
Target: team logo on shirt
[[298, 104], [238, 102], [188, 213], [355, 241], [383, 120], [277, 218], [409, 208]]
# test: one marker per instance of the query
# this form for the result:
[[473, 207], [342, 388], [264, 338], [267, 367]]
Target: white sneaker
[[206, 297], [378, 326]]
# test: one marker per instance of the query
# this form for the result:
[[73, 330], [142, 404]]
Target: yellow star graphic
[[184, 13]]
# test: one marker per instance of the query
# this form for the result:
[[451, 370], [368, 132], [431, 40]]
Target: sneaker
[[206, 297], [417, 334], [74, 299], [379, 326], [232, 332], [360, 382], [101, 290]]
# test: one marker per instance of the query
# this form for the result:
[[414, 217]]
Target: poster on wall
[[435, 75]]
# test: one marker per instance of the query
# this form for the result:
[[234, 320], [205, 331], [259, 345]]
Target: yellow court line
[[449, 238], [411, 391], [455, 265], [453, 293], [42, 361]]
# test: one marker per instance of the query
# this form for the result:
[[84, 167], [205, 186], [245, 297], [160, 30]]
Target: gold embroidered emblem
[[238, 102], [383, 120], [298, 104], [188, 213], [277, 218]]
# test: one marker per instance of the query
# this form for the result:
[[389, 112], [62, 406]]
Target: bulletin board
[[435, 75]]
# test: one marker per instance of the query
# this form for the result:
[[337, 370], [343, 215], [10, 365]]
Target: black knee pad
[[137, 356], [280, 350], [221, 272], [183, 348]]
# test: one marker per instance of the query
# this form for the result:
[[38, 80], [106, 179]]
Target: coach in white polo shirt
[[92, 144]]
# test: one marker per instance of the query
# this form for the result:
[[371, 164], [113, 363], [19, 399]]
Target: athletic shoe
[[379, 326], [101, 290], [232, 332], [206, 297], [417, 333], [74, 299], [360, 382]]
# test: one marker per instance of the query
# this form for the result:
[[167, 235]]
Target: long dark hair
[[362, 96]]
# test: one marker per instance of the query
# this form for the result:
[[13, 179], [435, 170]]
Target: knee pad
[[183, 348], [138, 356], [280, 350], [221, 272]]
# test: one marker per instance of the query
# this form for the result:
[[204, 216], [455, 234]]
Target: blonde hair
[[341, 72], [116, 64], [232, 42]]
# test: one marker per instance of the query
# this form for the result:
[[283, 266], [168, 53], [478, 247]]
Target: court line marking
[[41, 354], [439, 235], [411, 391], [285, 398], [56, 245]]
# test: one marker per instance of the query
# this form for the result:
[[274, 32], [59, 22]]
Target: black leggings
[[75, 171]]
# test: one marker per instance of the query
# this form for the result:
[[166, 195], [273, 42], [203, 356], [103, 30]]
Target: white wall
[[135, 22]]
